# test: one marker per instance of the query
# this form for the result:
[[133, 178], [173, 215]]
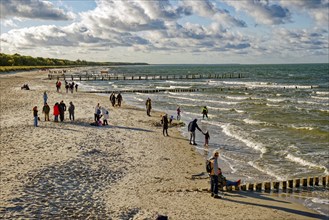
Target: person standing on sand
[[45, 97], [119, 99], [106, 116], [76, 87], [148, 104], [112, 99], [35, 115], [46, 110], [164, 122], [71, 111], [192, 126], [56, 112], [214, 175], [62, 109], [97, 113]]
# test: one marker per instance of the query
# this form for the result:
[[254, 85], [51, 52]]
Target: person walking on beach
[[112, 99], [164, 122], [178, 113], [148, 106], [56, 111], [119, 99], [76, 87], [204, 112], [58, 85], [71, 111], [46, 110], [192, 126], [45, 97], [35, 115], [213, 161], [97, 113]]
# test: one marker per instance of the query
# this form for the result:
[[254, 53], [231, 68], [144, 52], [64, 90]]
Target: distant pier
[[111, 77]]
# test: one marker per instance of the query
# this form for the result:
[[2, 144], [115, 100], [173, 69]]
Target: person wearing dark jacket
[[71, 111], [35, 115], [62, 109], [192, 126], [164, 122], [46, 110]]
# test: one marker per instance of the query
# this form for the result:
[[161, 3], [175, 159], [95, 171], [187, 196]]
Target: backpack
[[208, 166], [189, 127]]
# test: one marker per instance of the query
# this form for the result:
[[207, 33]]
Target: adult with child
[[97, 113], [71, 111], [192, 126], [46, 110]]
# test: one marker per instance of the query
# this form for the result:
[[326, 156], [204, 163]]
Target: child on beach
[[178, 113], [206, 138]]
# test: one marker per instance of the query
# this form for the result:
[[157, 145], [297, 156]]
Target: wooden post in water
[[304, 181], [324, 181], [284, 185], [297, 183], [244, 187], [290, 184], [259, 187], [316, 181], [276, 185], [267, 186], [251, 187], [310, 181]]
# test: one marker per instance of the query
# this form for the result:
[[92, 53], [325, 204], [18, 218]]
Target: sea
[[270, 124]]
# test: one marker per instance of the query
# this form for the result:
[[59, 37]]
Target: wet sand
[[127, 170]]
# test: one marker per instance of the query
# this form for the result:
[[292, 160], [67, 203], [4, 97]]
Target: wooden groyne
[[274, 186], [150, 90], [110, 77]]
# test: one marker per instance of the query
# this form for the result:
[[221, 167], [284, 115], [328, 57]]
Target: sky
[[168, 31]]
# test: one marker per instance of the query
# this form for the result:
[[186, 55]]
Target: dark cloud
[[33, 9]]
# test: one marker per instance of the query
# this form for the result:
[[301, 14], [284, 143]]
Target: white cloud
[[33, 9]]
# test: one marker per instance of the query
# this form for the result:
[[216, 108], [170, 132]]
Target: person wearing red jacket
[[56, 111]]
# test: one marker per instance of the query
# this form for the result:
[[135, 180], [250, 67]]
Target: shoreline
[[127, 169]]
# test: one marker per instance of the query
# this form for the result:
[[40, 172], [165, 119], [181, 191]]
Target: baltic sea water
[[271, 124]]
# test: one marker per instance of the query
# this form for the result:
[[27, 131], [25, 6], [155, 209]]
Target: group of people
[[100, 112], [117, 99], [58, 111], [70, 86]]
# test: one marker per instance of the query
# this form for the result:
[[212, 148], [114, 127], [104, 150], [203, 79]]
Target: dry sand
[[127, 170]]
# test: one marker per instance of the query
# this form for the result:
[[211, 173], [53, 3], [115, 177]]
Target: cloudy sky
[[168, 31]]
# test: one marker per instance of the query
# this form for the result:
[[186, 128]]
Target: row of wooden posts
[[284, 185], [95, 77], [150, 90]]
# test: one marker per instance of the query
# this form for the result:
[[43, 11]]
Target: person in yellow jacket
[[204, 112], [214, 174]]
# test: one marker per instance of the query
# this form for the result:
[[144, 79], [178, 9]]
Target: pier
[[110, 77]]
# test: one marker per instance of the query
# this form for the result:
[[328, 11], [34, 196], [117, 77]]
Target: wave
[[203, 100], [267, 171], [256, 122], [306, 163], [321, 93], [318, 97], [267, 85], [239, 135], [302, 128]]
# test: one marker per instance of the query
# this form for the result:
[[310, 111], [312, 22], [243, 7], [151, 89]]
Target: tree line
[[20, 60]]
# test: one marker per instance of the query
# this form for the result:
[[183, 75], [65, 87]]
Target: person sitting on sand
[[224, 182]]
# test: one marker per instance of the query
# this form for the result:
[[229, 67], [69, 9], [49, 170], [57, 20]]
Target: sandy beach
[[127, 170]]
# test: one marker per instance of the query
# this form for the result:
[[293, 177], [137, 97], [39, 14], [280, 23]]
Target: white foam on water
[[321, 93], [255, 122], [267, 171], [203, 100], [319, 97], [223, 157], [232, 131], [302, 128], [320, 201], [237, 97], [306, 163]]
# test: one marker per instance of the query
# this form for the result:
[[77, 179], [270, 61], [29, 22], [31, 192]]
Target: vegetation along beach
[[164, 109]]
